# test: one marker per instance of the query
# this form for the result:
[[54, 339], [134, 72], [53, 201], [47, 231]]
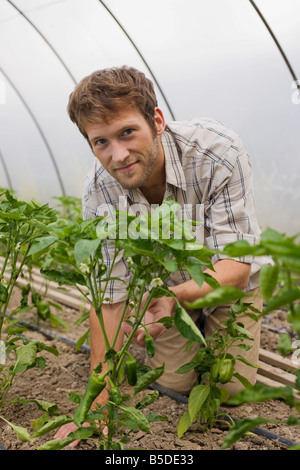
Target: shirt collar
[[173, 166]]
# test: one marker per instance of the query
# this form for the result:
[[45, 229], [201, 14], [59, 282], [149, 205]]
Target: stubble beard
[[146, 165]]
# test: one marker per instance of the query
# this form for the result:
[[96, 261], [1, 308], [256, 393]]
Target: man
[[141, 160]]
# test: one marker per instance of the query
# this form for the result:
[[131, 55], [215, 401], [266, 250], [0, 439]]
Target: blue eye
[[101, 142], [128, 131]]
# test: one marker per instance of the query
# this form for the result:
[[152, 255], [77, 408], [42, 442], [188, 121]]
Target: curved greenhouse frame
[[236, 61]]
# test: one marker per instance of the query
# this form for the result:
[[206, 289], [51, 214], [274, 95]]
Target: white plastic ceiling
[[216, 58]]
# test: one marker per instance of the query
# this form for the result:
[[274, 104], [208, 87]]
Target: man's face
[[127, 148]]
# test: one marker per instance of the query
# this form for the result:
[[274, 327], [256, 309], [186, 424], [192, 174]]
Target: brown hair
[[101, 94]]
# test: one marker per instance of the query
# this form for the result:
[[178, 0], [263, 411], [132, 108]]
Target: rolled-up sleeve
[[230, 209]]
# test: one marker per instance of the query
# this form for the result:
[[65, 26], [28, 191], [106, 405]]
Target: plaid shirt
[[206, 167]]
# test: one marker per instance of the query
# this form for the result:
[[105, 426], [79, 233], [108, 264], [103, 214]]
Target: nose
[[119, 152]]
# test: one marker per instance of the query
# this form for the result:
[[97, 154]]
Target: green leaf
[[268, 279], [25, 357], [186, 326], [3, 293], [224, 395], [41, 244], [184, 424], [69, 278], [186, 368], [83, 249], [53, 424], [56, 321], [50, 408], [197, 397], [50, 349], [260, 392], [211, 281], [63, 228], [292, 263], [240, 428], [137, 417], [245, 361], [220, 295], [240, 248], [281, 300], [271, 235], [21, 432], [147, 400], [245, 382], [42, 405], [58, 444], [171, 265], [194, 267], [285, 344], [148, 378], [40, 362], [154, 417], [168, 322], [82, 340]]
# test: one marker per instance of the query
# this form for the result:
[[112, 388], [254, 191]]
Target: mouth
[[127, 168]]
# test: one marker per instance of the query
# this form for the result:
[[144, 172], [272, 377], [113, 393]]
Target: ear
[[159, 121]]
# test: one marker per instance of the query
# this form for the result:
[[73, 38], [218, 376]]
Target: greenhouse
[[231, 62]]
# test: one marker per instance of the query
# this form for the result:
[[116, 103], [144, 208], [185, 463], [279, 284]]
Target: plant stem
[[97, 306], [126, 303], [14, 275], [135, 327]]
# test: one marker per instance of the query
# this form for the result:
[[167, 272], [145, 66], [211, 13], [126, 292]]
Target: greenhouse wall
[[224, 59]]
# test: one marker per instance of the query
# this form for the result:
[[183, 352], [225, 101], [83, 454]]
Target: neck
[[154, 189], [154, 195]]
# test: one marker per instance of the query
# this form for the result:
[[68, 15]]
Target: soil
[[68, 372]]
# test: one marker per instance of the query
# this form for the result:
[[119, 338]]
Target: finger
[[74, 443], [126, 328], [138, 335], [65, 430], [156, 330], [139, 338]]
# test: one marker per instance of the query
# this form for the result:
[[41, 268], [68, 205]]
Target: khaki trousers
[[170, 348]]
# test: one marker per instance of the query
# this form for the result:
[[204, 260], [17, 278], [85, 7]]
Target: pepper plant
[[68, 207], [77, 259], [213, 363], [21, 223], [280, 287]]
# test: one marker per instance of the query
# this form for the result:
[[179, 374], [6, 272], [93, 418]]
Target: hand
[[157, 309], [66, 429]]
